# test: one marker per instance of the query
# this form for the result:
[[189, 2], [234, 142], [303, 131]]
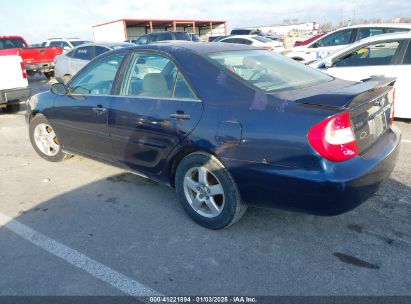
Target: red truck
[[36, 59]]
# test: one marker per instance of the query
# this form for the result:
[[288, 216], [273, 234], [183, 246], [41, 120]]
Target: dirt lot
[[84, 228]]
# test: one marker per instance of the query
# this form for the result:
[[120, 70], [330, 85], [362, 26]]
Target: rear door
[[155, 111], [373, 60], [402, 72]]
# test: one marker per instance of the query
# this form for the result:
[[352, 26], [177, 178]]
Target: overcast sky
[[37, 20]]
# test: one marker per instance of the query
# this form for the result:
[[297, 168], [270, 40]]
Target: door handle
[[180, 115], [100, 110]]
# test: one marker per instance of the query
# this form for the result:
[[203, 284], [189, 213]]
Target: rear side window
[[396, 30], [164, 36], [339, 38], [241, 32], [381, 53], [367, 32], [407, 58], [84, 53], [61, 44], [183, 36], [100, 50], [156, 76]]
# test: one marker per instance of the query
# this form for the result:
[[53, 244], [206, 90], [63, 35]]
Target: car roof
[[197, 47], [241, 36], [105, 44], [367, 40], [390, 25]]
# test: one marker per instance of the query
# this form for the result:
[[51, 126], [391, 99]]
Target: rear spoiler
[[351, 95]]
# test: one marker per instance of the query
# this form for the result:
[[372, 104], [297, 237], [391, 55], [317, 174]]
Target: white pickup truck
[[13, 78]]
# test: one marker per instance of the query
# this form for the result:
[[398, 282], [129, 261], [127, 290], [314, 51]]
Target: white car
[[65, 43], [13, 78], [331, 42], [68, 64], [255, 40], [379, 56]]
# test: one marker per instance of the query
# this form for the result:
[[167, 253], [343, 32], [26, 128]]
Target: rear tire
[[49, 75], [207, 191], [66, 78], [44, 140]]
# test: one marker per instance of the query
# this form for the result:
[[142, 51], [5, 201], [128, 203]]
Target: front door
[[80, 117], [155, 111]]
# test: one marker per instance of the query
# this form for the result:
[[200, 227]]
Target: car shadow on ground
[[138, 228]]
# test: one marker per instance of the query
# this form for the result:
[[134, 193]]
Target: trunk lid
[[370, 104]]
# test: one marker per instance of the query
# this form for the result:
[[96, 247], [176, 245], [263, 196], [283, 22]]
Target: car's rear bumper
[[335, 189], [7, 96], [40, 67]]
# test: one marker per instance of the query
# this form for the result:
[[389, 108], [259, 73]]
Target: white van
[[13, 78], [331, 42]]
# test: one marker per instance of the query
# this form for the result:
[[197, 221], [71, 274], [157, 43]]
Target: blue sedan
[[228, 126]]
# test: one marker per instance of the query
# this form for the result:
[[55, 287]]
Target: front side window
[[153, 75], [396, 30], [381, 53], [164, 37], [77, 42], [11, 43], [268, 71], [97, 78], [339, 38]]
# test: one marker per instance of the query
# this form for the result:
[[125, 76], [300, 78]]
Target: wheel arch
[[180, 155]]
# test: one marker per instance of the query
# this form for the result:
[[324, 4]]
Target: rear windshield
[[77, 42], [12, 43], [262, 39], [268, 71]]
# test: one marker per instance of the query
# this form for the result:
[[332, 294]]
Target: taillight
[[334, 138], [23, 70], [392, 107]]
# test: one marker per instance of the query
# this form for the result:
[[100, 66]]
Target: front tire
[[44, 140], [207, 191]]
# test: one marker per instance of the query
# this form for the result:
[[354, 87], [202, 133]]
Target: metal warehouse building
[[124, 29]]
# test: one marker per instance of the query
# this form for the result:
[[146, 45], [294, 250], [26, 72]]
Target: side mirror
[[58, 89]]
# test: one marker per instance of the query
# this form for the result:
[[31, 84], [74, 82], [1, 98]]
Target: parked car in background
[[378, 56], [131, 41], [227, 125], [333, 41], [245, 31], [65, 43], [162, 36], [307, 41], [36, 59], [266, 43], [68, 64], [13, 78]]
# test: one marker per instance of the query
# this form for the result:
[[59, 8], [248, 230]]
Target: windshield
[[269, 71], [11, 43], [78, 42]]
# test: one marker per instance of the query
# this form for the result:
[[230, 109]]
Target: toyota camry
[[228, 126]]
